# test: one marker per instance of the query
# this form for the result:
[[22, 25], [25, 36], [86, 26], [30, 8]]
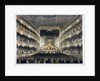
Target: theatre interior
[[49, 39]]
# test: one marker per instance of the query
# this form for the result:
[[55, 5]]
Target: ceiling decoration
[[49, 20]]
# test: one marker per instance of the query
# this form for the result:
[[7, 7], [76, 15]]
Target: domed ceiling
[[49, 20]]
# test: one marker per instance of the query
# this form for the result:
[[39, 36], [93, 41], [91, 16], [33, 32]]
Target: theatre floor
[[49, 58]]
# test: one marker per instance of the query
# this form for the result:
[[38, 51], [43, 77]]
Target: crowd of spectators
[[22, 40], [70, 43], [26, 31], [72, 51], [25, 51], [55, 58], [73, 31]]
